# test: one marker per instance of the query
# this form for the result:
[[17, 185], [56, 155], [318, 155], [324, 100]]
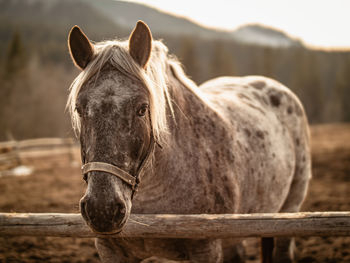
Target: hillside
[[265, 36], [55, 15], [107, 18], [126, 13], [44, 25]]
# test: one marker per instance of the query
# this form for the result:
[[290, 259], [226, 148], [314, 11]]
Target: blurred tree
[[342, 87], [306, 83], [15, 83], [16, 57], [189, 58], [221, 63], [269, 60]]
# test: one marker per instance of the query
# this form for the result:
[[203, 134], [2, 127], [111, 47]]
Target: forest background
[[36, 70]]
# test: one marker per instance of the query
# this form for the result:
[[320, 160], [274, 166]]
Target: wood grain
[[183, 226]]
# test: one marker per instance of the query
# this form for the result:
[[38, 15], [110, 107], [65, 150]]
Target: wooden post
[[184, 226]]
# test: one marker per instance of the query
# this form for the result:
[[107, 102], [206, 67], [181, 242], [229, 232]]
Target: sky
[[321, 23]]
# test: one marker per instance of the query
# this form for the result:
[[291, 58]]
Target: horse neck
[[187, 106], [189, 124]]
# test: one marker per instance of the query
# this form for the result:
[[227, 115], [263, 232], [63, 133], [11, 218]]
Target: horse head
[[115, 129]]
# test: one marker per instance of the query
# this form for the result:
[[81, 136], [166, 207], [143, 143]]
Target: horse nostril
[[119, 213], [83, 209], [123, 210]]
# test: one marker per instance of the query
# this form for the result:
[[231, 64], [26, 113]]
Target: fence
[[157, 226], [44, 150], [184, 226]]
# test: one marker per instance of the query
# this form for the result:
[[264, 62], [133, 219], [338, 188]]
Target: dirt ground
[[57, 187]]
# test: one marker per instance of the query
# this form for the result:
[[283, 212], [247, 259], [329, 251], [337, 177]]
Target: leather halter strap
[[133, 181]]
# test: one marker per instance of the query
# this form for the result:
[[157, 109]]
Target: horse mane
[[154, 78]]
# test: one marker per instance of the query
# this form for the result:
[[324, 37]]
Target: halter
[[132, 181]]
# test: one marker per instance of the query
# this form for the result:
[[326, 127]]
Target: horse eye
[[142, 110]]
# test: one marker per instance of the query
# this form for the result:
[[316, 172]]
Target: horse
[[231, 145]]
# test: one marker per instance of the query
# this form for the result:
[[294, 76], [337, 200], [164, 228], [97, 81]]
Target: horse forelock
[[154, 78]]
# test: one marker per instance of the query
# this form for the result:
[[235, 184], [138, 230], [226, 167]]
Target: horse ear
[[140, 44], [80, 47]]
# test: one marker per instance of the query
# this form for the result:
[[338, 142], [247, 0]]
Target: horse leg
[[284, 246], [110, 252], [233, 250], [267, 245], [204, 250]]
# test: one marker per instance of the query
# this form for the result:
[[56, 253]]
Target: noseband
[[132, 181]]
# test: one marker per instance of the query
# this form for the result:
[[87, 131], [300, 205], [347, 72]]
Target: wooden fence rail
[[36, 144], [184, 226], [47, 151]]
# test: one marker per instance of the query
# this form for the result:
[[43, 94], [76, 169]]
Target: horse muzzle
[[104, 217]]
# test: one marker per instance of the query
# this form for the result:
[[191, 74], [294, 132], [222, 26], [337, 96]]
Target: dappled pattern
[[231, 145]]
